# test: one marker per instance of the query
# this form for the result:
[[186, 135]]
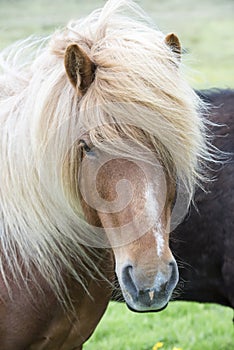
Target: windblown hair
[[137, 83]]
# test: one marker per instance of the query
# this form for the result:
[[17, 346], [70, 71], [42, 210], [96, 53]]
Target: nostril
[[128, 280]]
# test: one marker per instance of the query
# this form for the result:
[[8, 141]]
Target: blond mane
[[137, 82]]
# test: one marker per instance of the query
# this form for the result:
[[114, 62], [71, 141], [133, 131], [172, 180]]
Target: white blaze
[[158, 234], [153, 209]]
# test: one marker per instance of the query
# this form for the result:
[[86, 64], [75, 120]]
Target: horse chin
[[146, 309]]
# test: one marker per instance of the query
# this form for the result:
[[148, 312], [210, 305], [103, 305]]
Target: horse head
[[130, 197]]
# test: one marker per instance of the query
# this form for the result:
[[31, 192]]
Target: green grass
[[190, 326], [205, 28]]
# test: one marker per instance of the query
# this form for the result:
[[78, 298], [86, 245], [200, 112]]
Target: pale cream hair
[[138, 82]]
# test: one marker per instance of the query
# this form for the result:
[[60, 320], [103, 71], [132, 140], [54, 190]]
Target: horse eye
[[85, 146]]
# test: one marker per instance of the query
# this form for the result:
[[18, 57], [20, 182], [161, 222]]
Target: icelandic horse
[[102, 145]]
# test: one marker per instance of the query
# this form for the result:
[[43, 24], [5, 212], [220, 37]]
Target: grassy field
[[186, 326], [205, 28]]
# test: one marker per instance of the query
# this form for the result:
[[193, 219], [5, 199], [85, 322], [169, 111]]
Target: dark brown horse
[[203, 243]]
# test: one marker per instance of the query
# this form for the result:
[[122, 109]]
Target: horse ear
[[173, 42], [80, 69]]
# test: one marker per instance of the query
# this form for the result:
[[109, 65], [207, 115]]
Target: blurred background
[[205, 28]]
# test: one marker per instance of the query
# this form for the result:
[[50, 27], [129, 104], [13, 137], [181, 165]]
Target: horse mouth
[[146, 310]]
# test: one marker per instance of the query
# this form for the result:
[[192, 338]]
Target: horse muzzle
[[141, 297]]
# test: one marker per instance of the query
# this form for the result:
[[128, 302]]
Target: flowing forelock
[[138, 83]]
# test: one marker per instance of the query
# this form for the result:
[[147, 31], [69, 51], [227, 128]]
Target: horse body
[[204, 242], [32, 318]]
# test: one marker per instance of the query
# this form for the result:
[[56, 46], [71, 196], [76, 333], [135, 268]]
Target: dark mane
[[221, 103]]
